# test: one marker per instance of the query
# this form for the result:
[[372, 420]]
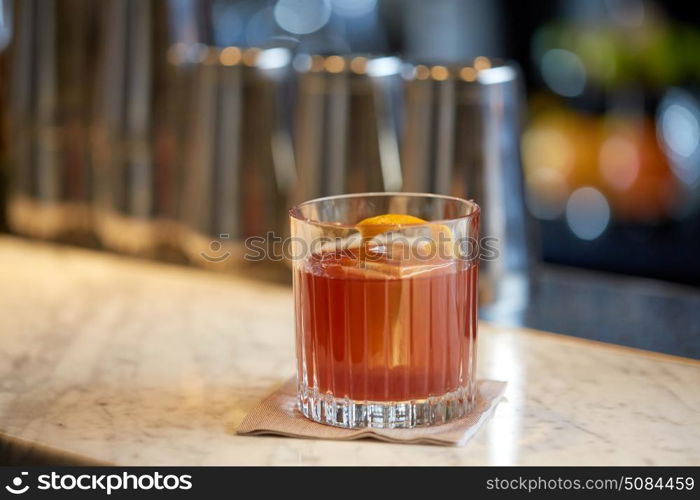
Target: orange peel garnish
[[372, 226], [442, 235], [378, 224]]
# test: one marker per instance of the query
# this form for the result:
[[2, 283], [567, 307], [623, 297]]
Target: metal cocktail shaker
[[238, 161], [347, 117], [461, 138], [129, 188], [52, 73]]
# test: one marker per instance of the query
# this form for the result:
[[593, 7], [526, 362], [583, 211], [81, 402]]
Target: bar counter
[[111, 360]]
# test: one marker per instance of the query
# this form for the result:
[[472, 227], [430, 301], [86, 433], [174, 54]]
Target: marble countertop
[[106, 359]]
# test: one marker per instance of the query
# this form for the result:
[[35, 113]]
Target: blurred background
[[174, 129]]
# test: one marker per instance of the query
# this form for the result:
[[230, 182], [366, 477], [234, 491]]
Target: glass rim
[[295, 211]]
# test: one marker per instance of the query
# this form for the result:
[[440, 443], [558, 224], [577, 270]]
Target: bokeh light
[[680, 130], [302, 17], [499, 74], [382, 66], [468, 74], [273, 58], [587, 213], [334, 64], [422, 72], [439, 73], [619, 162], [547, 193], [358, 65], [563, 72], [678, 127], [546, 147], [230, 56], [481, 63]]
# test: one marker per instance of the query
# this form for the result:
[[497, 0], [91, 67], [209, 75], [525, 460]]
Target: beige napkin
[[277, 414]]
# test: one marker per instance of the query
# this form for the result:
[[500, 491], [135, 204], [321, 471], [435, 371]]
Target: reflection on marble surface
[[626, 310], [505, 430], [131, 362]]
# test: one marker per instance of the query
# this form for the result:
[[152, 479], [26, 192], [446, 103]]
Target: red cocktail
[[386, 320]]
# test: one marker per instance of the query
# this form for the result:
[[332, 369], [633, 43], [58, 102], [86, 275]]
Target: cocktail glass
[[385, 288]]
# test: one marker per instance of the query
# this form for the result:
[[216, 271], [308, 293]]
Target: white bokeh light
[[273, 58], [563, 72], [678, 127], [302, 17], [587, 213], [384, 66], [681, 130]]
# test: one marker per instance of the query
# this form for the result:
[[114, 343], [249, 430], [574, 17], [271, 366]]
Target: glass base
[[351, 414]]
